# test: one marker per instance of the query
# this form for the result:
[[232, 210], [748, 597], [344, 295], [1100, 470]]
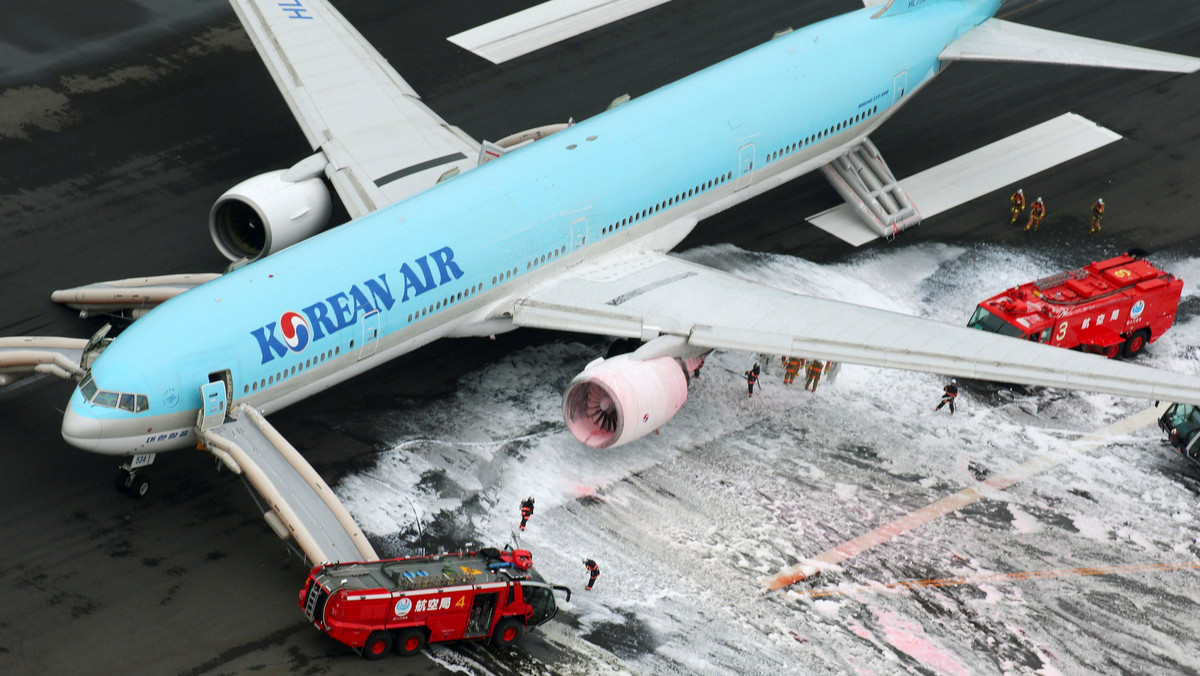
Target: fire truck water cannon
[[404, 604], [1112, 307]]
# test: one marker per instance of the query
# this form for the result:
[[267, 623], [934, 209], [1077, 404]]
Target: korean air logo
[[295, 330], [1137, 309]]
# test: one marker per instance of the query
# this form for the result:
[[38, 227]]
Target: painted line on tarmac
[[849, 589], [963, 498]]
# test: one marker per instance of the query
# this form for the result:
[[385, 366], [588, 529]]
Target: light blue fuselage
[[445, 262]]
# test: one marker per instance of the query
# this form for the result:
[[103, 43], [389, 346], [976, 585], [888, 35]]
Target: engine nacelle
[[265, 214], [615, 401]]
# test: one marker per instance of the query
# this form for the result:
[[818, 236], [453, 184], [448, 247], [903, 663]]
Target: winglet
[[999, 40]]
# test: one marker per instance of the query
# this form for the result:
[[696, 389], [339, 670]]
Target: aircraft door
[[579, 233], [212, 406], [900, 86], [370, 334], [745, 165]]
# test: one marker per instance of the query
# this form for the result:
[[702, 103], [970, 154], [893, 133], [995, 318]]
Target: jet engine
[[618, 400], [267, 213]]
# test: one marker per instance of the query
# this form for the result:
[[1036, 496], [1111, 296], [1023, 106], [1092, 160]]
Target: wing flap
[[999, 40], [649, 294]]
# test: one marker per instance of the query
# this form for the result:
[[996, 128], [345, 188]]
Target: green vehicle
[[1181, 422]]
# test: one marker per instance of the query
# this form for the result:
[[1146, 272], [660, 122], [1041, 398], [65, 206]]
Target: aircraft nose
[[82, 431]]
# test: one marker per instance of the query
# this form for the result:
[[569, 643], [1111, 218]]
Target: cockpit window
[[88, 387], [134, 403], [107, 399]]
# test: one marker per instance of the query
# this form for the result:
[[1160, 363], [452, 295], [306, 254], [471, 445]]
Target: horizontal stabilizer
[[999, 40], [980, 172]]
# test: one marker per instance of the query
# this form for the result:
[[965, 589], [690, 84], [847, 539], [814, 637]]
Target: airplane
[[565, 227]]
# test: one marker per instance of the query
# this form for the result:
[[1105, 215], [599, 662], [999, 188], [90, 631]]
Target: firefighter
[[1018, 205], [1037, 211], [813, 374], [593, 572], [526, 510], [751, 379], [791, 368], [951, 393], [1097, 214]]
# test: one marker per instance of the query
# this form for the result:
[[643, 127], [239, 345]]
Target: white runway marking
[[541, 26]]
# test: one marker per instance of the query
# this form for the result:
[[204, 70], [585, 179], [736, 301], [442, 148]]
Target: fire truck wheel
[[1136, 343], [378, 644], [1113, 350], [507, 632], [409, 641]]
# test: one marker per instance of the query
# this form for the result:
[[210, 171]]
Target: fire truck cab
[[1181, 422], [1113, 307], [405, 604]]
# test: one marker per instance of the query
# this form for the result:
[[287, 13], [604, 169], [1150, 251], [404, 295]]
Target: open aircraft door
[[370, 334], [212, 407]]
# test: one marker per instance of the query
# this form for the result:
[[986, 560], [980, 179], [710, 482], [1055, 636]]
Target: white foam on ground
[[686, 524]]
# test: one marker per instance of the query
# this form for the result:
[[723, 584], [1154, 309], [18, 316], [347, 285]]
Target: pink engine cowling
[[621, 399]]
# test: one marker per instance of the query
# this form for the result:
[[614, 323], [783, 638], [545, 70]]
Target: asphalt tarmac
[[122, 122]]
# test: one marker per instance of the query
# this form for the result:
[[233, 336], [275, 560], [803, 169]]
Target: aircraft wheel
[[140, 486], [379, 643], [1136, 343], [409, 641], [507, 632]]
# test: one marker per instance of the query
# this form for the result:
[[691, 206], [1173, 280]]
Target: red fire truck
[[1111, 307], [404, 604]]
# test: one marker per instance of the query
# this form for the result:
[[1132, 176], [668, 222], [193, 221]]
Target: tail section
[[998, 40]]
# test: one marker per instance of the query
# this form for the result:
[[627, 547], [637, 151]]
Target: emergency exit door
[[579, 233], [482, 611], [900, 86], [370, 334], [212, 407], [745, 166]]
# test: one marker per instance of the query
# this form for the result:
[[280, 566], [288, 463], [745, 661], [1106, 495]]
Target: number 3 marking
[[1062, 331]]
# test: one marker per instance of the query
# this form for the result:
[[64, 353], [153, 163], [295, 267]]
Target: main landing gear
[[131, 480]]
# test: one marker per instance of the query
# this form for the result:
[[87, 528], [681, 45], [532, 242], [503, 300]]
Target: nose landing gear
[[130, 480]]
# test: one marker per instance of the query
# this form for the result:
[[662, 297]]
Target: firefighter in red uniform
[[1036, 212], [791, 368], [526, 510], [1018, 205], [751, 379], [813, 374], [951, 393], [1097, 214], [593, 572]]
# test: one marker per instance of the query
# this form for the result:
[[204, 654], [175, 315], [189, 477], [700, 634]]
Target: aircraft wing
[[999, 40], [650, 294], [381, 142]]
